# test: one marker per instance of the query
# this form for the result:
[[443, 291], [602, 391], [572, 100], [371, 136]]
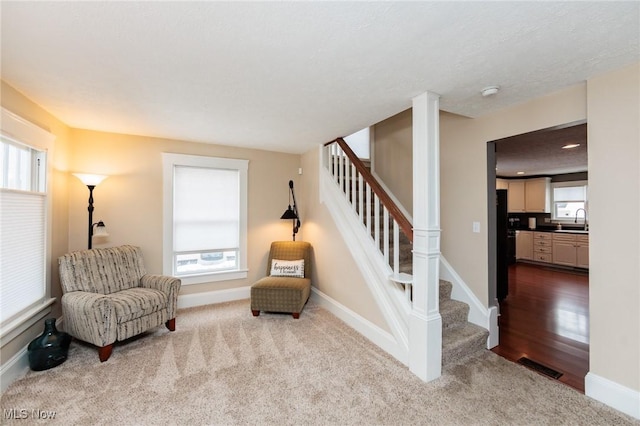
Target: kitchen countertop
[[560, 231]]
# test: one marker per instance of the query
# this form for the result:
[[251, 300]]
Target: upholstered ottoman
[[281, 290]]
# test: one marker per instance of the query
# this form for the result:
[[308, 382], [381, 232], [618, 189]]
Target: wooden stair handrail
[[394, 211]]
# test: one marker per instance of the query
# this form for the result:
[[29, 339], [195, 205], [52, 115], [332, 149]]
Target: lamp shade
[[101, 230], [90, 179], [289, 214]]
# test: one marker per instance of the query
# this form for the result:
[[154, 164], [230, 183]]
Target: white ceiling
[[286, 76]]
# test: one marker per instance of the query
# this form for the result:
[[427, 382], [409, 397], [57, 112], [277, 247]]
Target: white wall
[[359, 143]]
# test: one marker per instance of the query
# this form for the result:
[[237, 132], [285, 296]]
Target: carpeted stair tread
[[459, 343], [406, 268], [445, 290], [453, 313]]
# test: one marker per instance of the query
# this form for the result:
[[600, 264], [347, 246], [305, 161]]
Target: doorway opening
[[541, 294]]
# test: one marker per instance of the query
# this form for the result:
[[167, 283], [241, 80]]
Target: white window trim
[[17, 128], [169, 161], [563, 185]]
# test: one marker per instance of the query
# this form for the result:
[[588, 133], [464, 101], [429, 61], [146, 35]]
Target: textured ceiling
[[286, 76], [541, 152]]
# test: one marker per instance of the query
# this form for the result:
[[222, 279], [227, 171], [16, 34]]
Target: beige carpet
[[223, 366]]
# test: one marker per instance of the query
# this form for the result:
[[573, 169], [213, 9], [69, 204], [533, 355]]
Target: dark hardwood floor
[[545, 317]]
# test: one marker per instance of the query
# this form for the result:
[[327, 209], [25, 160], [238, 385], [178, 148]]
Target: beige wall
[[20, 105], [463, 174], [335, 274], [129, 201], [393, 153], [613, 102], [610, 103]]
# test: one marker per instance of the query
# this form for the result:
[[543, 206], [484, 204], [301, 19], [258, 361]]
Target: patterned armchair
[[281, 290], [108, 296]]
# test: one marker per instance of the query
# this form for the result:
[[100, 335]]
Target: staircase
[[460, 338], [391, 235]]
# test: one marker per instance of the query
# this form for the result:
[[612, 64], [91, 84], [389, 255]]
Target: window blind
[[22, 251], [569, 193], [206, 209]]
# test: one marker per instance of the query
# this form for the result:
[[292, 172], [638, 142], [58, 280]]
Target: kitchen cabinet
[[537, 195], [571, 250], [502, 184], [529, 195], [524, 245], [582, 251], [515, 196], [542, 247]]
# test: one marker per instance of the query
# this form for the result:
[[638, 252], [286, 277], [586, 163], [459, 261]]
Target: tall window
[[205, 218], [569, 200], [23, 222]]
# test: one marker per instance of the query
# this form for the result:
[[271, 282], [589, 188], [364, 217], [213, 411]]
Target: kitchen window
[[205, 211], [24, 225], [569, 200]]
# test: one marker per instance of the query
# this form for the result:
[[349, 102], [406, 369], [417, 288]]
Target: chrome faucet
[[586, 226]]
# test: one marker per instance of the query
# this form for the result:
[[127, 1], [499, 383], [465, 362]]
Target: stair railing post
[[425, 323]]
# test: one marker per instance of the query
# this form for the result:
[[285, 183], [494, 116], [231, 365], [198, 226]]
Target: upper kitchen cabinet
[[529, 195], [537, 195], [515, 196], [502, 184]]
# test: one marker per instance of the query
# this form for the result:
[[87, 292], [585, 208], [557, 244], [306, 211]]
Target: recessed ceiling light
[[519, 173], [490, 90], [571, 145]]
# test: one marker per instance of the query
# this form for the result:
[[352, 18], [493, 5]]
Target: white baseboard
[[494, 332], [14, 369], [375, 334], [613, 394], [18, 365], [212, 297]]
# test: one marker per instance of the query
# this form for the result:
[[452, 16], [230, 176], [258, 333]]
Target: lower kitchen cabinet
[[542, 247], [582, 251], [571, 250], [524, 245]]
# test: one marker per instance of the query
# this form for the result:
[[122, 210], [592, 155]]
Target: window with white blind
[[24, 235], [205, 203], [569, 200]]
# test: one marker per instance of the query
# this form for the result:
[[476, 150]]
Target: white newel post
[[425, 325]]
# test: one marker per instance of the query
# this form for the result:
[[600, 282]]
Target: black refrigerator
[[505, 245]]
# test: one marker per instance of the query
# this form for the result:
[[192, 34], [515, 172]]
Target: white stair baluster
[[376, 221], [353, 179], [386, 234], [360, 198], [396, 248]]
